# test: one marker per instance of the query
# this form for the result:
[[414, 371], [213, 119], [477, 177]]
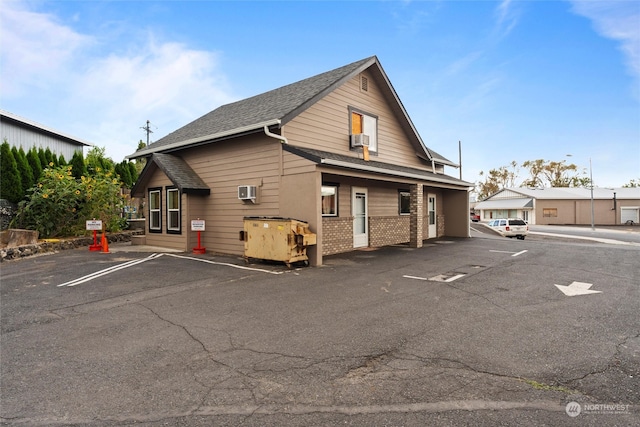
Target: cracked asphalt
[[459, 332]]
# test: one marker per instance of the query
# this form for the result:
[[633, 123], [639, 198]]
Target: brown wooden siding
[[325, 125], [223, 167]]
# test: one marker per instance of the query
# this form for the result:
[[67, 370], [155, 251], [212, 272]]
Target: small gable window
[[155, 218], [366, 124], [173, 210]]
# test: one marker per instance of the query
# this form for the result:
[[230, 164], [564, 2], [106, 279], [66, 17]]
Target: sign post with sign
[[95, 225], [198, 225]]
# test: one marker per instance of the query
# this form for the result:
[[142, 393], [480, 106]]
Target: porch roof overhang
[[506, 204], [371, 166], [177, 170]]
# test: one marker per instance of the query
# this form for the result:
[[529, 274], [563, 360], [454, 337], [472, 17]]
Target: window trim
[[402, 193], [335, 203], [157, 229], [550, 212], [353, 110], [178, 229]]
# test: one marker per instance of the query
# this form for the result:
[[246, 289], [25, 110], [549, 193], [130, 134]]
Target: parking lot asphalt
[[478, 331]]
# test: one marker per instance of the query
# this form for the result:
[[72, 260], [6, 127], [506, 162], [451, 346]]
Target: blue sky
[[512, 80]]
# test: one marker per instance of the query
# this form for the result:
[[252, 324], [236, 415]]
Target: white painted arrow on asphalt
[[577, 288]]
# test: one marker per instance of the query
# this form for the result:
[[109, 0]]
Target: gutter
[[151, 149]]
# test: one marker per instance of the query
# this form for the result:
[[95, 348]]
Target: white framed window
[[155, 216], [329, 200], [367, 124], [173, 210]]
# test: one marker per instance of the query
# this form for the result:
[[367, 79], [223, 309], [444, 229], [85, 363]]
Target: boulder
[[17, 237]]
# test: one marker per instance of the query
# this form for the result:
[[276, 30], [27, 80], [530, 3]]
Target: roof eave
[[207, 138]]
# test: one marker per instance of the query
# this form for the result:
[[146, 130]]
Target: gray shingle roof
[[281, 104], [277, 107], [178, 171], [339, 160]]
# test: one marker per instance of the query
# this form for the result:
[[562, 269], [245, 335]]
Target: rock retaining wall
[[44, 246]]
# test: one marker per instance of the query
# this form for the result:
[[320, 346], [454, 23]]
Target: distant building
[[546, 206], [21, 132]]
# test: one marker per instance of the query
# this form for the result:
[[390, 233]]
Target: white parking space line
[[509, 252], [241, 267], [439, 278], [106, 271], [128, 264], [415, 277]]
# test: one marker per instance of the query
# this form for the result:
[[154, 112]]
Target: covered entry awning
[[177, 170], [506, 204]]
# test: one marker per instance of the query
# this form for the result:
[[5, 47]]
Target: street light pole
[[593, 228]]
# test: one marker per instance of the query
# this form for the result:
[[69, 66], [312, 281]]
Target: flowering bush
[[60, 204]]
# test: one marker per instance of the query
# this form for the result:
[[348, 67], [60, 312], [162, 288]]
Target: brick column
[[416, 217]]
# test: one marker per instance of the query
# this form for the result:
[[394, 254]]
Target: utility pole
[[148, 129], [460, 157]]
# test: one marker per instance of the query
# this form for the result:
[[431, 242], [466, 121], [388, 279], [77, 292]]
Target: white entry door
[[360, 217], [431, 206]]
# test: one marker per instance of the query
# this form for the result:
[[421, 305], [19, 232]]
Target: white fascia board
[[43, 127], [151, 149], [366, 168]]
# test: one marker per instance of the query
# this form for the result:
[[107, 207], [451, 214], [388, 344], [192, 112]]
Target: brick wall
[[388, 230], [440, 224], [337, 235]]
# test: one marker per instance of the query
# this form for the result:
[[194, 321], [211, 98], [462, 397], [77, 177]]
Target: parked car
[[510, 227], [474, 217]]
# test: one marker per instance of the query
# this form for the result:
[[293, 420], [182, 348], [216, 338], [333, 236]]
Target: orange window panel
[[356, 123]]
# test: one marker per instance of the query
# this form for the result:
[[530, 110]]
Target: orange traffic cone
[[105, 244]]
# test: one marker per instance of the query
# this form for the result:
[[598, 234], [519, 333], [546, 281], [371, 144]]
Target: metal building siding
[[26, 138]]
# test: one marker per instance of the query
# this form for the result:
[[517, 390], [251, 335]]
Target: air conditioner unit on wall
[[359, 140], [247, 192]]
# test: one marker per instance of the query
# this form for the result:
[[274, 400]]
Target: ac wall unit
[[359, 140], [247, 192]]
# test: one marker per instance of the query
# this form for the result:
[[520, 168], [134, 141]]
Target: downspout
[[281, 138]]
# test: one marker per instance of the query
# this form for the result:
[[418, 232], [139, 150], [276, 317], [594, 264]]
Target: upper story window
[[155, 218], [367, 124], [173, 210]]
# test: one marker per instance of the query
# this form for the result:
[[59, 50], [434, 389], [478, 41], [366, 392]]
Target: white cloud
[[617, 20], [36, 49], [104, 98], [507, 18]]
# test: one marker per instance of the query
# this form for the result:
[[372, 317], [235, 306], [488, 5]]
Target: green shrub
[[60, 204]]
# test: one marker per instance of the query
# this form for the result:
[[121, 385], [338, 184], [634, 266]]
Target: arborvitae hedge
[[11, 185], [34, 162]]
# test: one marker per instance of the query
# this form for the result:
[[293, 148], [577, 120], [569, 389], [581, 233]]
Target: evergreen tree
[[34, 163], [62, 161], [133, 171], [26, 175], [122, 170], [77, 163], [43, 158], [11, 185], [50, 158]]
